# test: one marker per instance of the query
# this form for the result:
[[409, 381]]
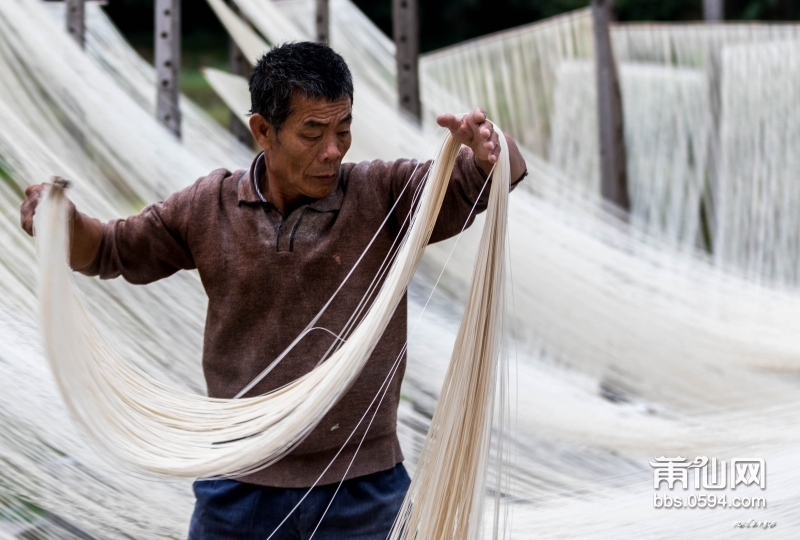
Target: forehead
[[305, 110]]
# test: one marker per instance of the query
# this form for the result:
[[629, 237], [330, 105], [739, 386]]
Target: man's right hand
[[86, 232], [33, 194]]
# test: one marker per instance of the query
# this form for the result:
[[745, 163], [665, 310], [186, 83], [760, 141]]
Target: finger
[[448, 121], [458, 127], [26, 218], [29, 204], [486, 130], [496, 140], [27, 226], [480, 125], [493, 142], [36, 188], [492, 146], [475, 119]]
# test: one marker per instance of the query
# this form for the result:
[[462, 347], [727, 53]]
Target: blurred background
[[443, 23], [671, 329]]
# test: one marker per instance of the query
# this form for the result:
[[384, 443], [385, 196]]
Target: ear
[[262, 131]]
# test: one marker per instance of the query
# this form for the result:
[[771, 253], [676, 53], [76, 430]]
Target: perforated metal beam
[[76, 21], [322, 21], [406, 38], [168, 63]]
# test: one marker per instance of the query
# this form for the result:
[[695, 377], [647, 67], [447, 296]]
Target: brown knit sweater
[[267, 276]]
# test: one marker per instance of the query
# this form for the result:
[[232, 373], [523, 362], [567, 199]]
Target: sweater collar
[[248, 193]]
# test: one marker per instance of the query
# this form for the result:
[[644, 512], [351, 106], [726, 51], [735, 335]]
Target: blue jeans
[[364, 508]]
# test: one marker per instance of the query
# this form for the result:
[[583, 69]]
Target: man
[[272, 245]]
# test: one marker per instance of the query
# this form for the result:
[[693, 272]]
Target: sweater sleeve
[[467, 193], [148, 246]]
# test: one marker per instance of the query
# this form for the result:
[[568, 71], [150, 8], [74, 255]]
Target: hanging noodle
[[626, 348], [446, 497], [162, 429], [666, 125]]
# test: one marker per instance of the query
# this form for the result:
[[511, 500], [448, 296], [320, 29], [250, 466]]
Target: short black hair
[[312, 69]]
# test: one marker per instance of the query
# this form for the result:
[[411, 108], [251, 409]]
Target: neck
[[284, 202]]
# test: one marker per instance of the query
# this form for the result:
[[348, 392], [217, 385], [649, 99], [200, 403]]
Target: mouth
[[326, 177]]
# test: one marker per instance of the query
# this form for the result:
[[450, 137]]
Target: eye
[[344, 133]]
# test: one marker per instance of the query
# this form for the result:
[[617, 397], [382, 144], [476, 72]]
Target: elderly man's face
[[303, 159]]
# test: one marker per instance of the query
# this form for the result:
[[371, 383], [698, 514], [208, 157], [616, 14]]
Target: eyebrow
[[315, 123]]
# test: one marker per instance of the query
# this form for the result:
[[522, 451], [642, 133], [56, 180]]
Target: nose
[[331, 150]]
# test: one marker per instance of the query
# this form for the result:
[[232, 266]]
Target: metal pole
[[168, 63], [714, 10], [613, 166], [76, 27], [239, 65], [323, 21], [76, 21], [406, 39]]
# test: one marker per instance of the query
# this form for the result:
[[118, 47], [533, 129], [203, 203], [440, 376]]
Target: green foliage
[[445, 22], [767, 10], [135, 19], [6, 172], [195, 86], [659, 10]]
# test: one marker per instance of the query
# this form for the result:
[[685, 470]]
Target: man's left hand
[[475, 131]]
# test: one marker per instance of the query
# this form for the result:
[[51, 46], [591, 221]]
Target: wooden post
[[406, 39], [168, 63], [613, 166], [76, 27], [323, 21], [239, 65], [714, 10], [76, 21]]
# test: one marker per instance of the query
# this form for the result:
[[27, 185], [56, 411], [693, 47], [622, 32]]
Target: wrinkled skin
[[303, 158]]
